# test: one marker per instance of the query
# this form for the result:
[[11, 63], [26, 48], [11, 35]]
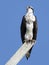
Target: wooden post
[[14, 60]]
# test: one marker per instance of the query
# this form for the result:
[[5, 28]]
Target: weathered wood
[[14, 60]]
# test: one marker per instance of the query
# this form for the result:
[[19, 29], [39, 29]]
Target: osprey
[[29, 28]]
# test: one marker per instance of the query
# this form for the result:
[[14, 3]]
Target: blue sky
[[11, 13]]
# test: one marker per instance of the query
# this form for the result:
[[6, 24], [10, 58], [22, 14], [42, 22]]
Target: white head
[[30, 9], [30, 14]]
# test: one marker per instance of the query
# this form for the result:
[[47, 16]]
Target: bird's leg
[[33, 41], [27, 41], [30, 41]]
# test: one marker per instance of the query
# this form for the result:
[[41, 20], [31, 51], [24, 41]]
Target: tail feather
[[27, 55], [29, 52]]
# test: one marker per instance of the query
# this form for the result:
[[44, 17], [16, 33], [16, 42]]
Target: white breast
[[29, 31], [30, 18], [29, 26]]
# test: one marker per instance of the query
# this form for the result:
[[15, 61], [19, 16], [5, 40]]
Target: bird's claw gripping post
[[30, 41]]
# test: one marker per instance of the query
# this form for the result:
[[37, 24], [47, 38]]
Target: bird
[[28, 28]]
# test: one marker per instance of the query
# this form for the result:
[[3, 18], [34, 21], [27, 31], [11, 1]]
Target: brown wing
[[23, 28], [35, 30]]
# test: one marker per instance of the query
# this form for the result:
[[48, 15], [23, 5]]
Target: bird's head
[[30, 9]]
